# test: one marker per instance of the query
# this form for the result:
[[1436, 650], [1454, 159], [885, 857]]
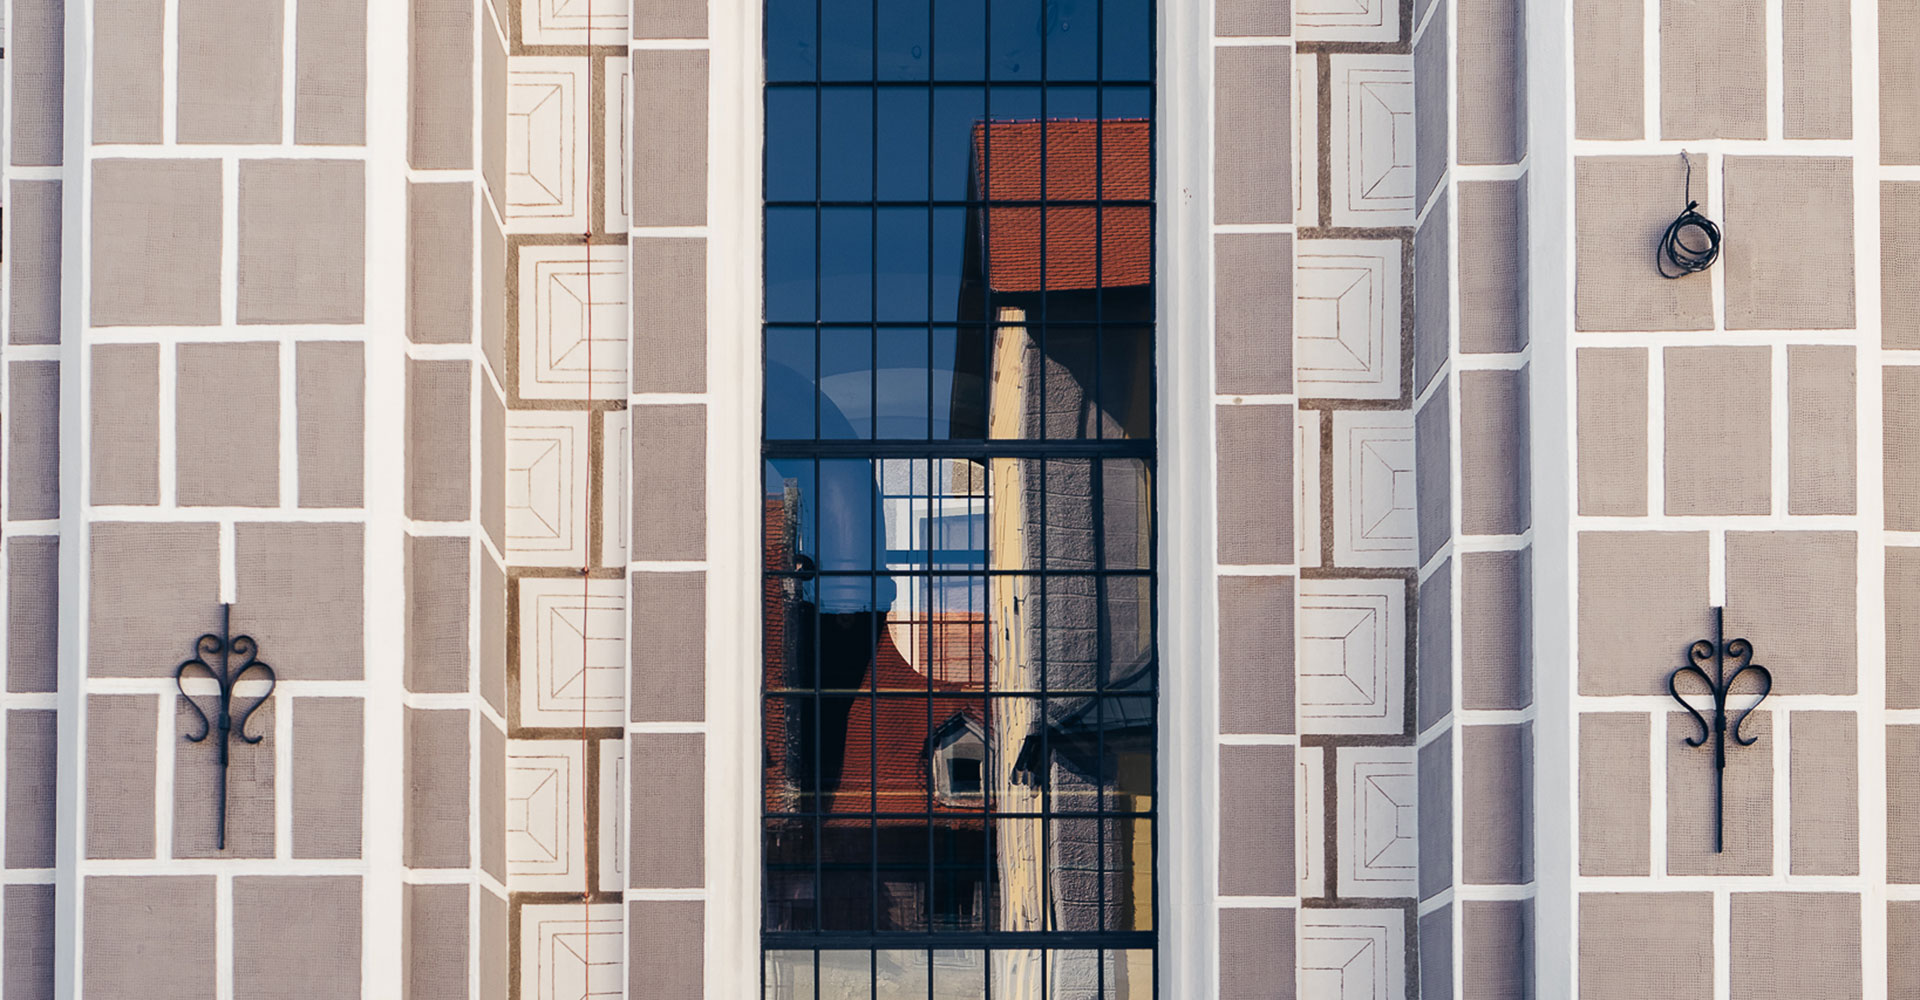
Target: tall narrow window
[[960, 677]]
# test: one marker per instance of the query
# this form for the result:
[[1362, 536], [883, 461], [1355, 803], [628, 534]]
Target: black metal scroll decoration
[[236, 656], [1720, 685]]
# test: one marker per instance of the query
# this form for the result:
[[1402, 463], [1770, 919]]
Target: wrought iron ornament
[[1720, 685], [236, 656]]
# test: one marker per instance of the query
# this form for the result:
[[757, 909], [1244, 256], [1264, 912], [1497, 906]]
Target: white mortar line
[[1650, 69], [223, 936], [1698, 147], [1656, 438], [226, 151], [289, 61], [169, 78], [1782, 818], [1259, 902], [1875, 948], [1776, 96], [166, 736], [1779, 424], [282, 778], [290, 426], [229, 240], [1722, 943]]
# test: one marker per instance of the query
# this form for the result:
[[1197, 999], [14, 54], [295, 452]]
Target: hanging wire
[[1692, 242]]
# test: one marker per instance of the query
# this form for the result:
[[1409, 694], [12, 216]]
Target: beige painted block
[[1435, 816], [229, 93], [1824, 752], [156, 242], [439, 422], [1788, 255], [1433, 671], [1257, 948], [1253, 167], [669, 516], [1817, 75], [1433, 473], [1496, 629], [227, 425], [37, 38], [251, 786], [1257, 815], [33, 216], [670, 19], [440, 85], [1253, 318], [437, 574], [1635, 945], [495, 952], [668, 647], [670, 137], [666, 947], [302, 241], [491, 791], [120, 775], [438, 799], [33, 600], [330, 73], [1498, 947], [1716, 91], [1719, 404], [1903, 625], [330, 389], [1493, 266], [1615, 799], [1254, 18], [27, 947], [32, 790], [1495, 458], [1257, 654], [1899, 265], [669, 305], [1432, 284], [148, 936], [329, 759], [301, 590], [1496, 803], [1900, 445], [126, 424], [1809, 645], [1609, 76], [148, 582], [1748, 832], [1430, 134], [1903, 964], [1903, 804], [128, 42], [1255, 452], [1643, 598], [668, 811], [1621, 206], [1899, 82], [440, 263], [296, 937], [1612, 420], [1822, 405], [1796, 944], [1492, 99], [435, 941], [33, 440]]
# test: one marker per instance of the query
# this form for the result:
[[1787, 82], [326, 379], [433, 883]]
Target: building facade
[[829, 500]]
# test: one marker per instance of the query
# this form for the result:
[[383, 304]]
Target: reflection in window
[[959, 664]]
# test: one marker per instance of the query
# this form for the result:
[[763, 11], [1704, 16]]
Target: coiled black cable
[[1681, 254]]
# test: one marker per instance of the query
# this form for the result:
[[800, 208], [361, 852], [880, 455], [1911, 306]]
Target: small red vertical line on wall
[[586, 527]]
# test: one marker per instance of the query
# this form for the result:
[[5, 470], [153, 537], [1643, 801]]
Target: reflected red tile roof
[[1084, 159]]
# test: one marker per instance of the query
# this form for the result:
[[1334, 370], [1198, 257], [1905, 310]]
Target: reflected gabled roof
[[1085, 160]]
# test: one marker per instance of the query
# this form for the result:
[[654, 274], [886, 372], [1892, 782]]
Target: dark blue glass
[[903, 119], [846, 32], [959, 40], [1073, 39], [846, 264], [949, 252], [846, 144], [955, 110], [790, 144], [1015, 39], [1126, 27], [905, 42], [900, 402], [790, 40], [950, 391], [900, 264], [846, 382], [789, 396], [790, 265]]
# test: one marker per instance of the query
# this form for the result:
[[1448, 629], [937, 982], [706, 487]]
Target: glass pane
[[1073, 39], [903, 117], [900, 975], [791, 43], [959, 975], [1016, 43], [846, 144], [846, 30], [789, 975], [791, 155], [905, 42]]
